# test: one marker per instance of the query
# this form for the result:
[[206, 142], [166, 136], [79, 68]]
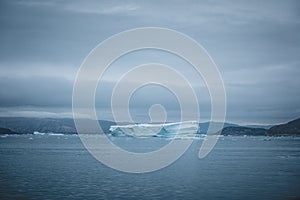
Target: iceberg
[[38, 133], [175, 129]]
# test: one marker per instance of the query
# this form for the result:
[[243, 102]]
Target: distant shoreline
[[20, 125]]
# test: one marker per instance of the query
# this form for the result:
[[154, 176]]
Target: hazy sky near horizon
[[255, 45]]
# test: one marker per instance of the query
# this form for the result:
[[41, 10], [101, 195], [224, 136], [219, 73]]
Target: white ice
[[156, 130]]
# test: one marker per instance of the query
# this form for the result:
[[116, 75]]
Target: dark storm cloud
[[255, 44]]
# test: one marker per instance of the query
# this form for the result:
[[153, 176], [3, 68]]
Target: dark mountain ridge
[[290, 128], [6, 131], [243, 131], [24, 125]]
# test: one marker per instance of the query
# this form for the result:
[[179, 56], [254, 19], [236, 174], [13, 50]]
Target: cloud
[[93, 7], [104, 10], [35, 91], [255, 44], [23, 70], [35, 112]]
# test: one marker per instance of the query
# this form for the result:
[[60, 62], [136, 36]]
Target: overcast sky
[[255, 45]]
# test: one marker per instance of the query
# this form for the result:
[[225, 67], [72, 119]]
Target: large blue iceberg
[[175, 129]]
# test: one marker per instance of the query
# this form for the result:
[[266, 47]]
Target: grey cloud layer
[[254, 43]]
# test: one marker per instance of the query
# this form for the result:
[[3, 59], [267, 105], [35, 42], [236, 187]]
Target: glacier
[[174, 129]]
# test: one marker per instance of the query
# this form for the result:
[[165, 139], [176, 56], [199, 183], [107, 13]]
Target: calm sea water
[[59, 167]]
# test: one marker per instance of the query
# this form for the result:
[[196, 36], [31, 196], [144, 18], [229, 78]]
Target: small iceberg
[[167, 130], [38, 133], [4, 136], [56, 134], [50, 134]]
